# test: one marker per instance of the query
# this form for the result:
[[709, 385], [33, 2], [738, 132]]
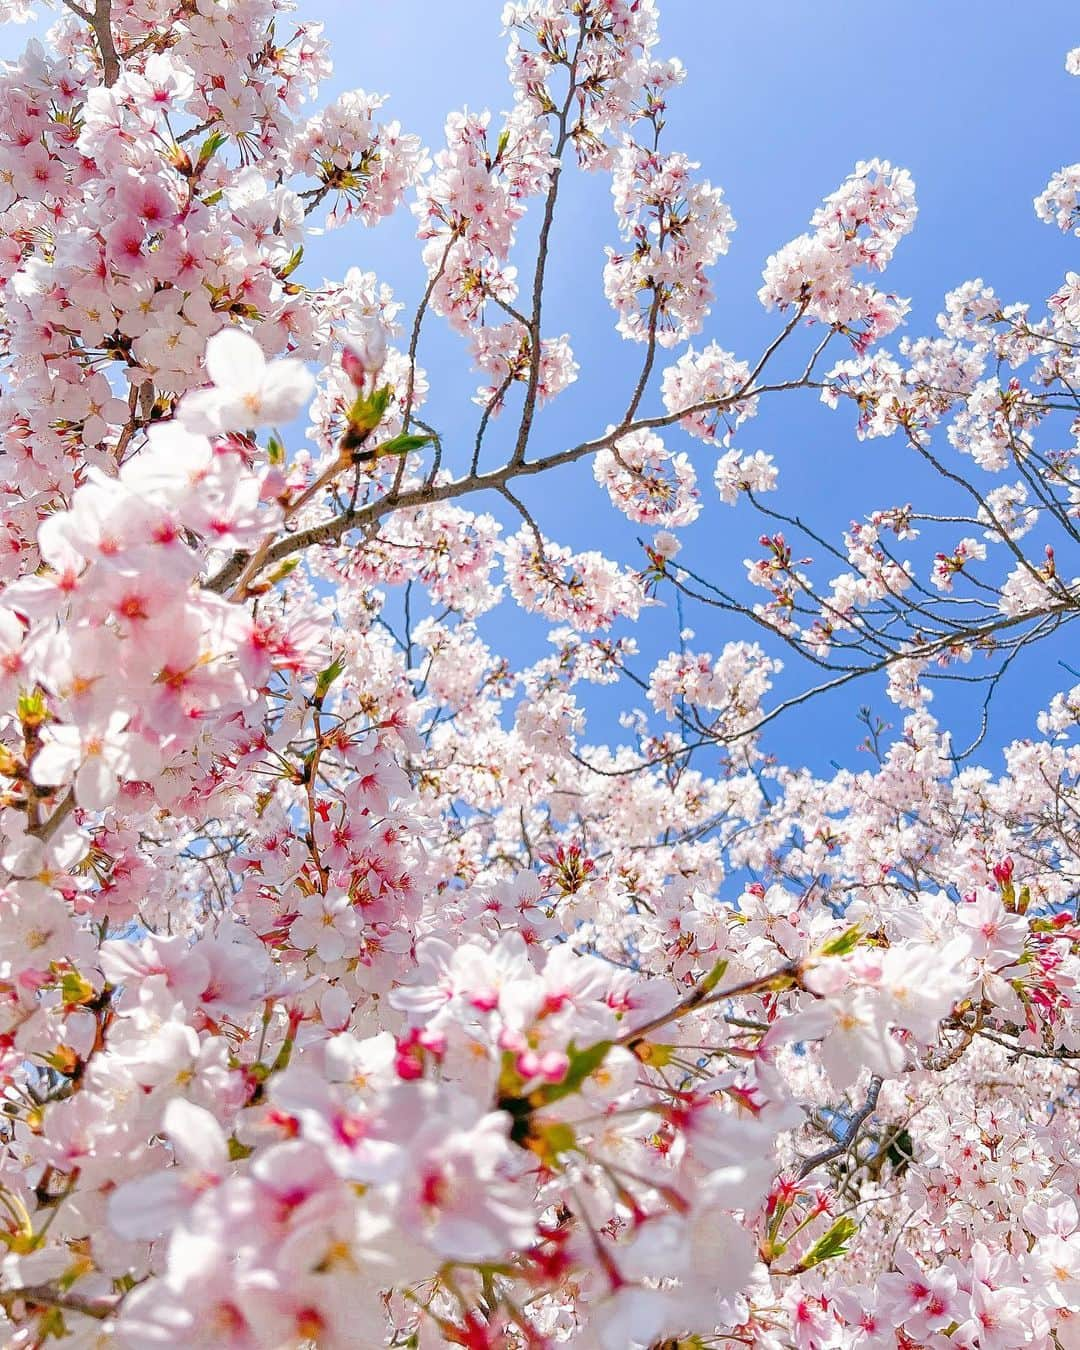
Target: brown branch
[[100, 21], [43, 1295], [46, 831], [430, 493], [529, 408], [850, 1134], [702, 996]]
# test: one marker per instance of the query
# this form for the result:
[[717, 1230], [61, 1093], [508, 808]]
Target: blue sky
[[782, 98]]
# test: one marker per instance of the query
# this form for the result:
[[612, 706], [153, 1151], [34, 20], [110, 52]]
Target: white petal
[[196, 1136], [148, 1206], [286, 389], [11, 630], [234, 360], [54, 762], [200, 412], [95, 784]]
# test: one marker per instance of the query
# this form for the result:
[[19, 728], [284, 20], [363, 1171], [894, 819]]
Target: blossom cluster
[[353, 990]]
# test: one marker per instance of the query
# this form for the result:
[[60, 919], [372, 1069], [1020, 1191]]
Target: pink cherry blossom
[[415, 930]]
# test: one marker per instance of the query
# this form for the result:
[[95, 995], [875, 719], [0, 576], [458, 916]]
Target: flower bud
[[364, 353]]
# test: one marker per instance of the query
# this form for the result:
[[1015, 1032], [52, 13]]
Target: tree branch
[[849, 1135]]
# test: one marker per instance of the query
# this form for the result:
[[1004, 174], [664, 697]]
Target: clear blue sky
[[782, 98]]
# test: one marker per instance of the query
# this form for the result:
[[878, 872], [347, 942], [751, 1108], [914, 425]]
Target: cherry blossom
[[410, 930], [246, 392]]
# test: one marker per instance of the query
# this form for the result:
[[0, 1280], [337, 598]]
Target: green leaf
[[709, 983], [210, 147], [32, 708], [282, 570], [75, 990], [842, 944], [401, 445], [327, 677], [654, 1055], [293, 263], [830, 1244], [582, 1064], [369, 409]]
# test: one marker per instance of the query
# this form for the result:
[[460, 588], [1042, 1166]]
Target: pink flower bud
[[485, 1000], [364, 353], [553, 1066], [434, 1042], [528, 1064], [408, 1065]]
